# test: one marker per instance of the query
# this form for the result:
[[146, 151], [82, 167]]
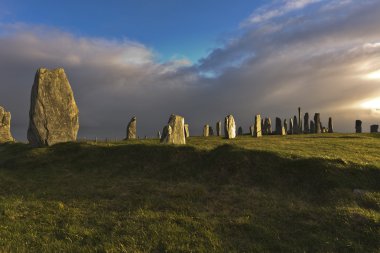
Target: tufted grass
[[305, 193]]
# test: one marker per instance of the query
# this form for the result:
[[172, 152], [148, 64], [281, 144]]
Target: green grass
[[274, 194]]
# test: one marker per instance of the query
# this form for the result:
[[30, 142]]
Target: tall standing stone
[[159, 135], [268, 126], [295, 125], [206, 130], [262, 125], [53, 115], [374, 129], [229, 127], [312, 127], [186, 129], [278, 126], [5, 126], [317, 123], [299, 121], [291, 126], [240, 131], [306, 126], [331, 127], [358, 126], [286, 125], [132, 129], [210, 131], [257, 132], [174, 133], [219, 128]]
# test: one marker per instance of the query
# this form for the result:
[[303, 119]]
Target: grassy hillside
[[311, 193]]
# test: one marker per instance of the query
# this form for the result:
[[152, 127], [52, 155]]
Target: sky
[[199, 59]]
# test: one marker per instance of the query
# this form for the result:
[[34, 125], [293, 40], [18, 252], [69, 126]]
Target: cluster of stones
[[54, 118]]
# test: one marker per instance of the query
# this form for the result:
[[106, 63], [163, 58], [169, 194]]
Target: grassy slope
[[275, 194]]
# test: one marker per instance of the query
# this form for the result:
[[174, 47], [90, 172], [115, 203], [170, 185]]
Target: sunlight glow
[[373, 76], [373, 104]]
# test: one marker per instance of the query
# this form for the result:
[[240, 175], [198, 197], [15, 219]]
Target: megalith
[[358, 126], [132, 129], [306, 126], [229, 127], [173, 132], [186, 129], [53, 115], [257, 132], [317, 123], [331, 126], [5, 126], [206, 131], [219, 128]]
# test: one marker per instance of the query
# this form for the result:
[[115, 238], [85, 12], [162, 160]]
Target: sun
[[373, 104], [373, 75]]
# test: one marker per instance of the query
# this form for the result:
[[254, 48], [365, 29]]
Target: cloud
[[317, 60]]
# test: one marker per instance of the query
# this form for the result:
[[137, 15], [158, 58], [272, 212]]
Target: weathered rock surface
[[317, 123], [295, 125], [283, 131], [312, 127], [186, 129], [267, 126], [206, 131], [159, 135], [240, 131], [210, 131], [299, 121], [219, 128], [286, 126], [174, 133], [278, 126], [306, 126], [358, 126], [257, 132], [291, 126], [331, 127], [53, 115], [374, 128], [229, 127], [5, 126], [132, 129]]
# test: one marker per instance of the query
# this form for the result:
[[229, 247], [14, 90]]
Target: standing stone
[[219, 128], [206, 131], [331, 128], [374, 129], [283, 131], [306, 126], [278, 126], [174, 133], [291, 126], [186, 129], [251, 130], [268, 126], [240, 131], [286, 125], [295, 125], [312, 127], [257, 132], [159, 135], [210, 131], [229, 127], [262, 124], [5, 126], [132, 129], [299, 121], [358, 126], [317, 123], [53, 115]]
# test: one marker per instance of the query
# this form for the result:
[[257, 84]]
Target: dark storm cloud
[[318, 58]]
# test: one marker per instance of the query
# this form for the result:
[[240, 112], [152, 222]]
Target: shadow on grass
[[232, 199]]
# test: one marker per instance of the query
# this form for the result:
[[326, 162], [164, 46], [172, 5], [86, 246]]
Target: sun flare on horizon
[[373, 104]]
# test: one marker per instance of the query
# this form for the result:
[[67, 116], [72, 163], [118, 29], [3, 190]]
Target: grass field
[[307, 193]]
